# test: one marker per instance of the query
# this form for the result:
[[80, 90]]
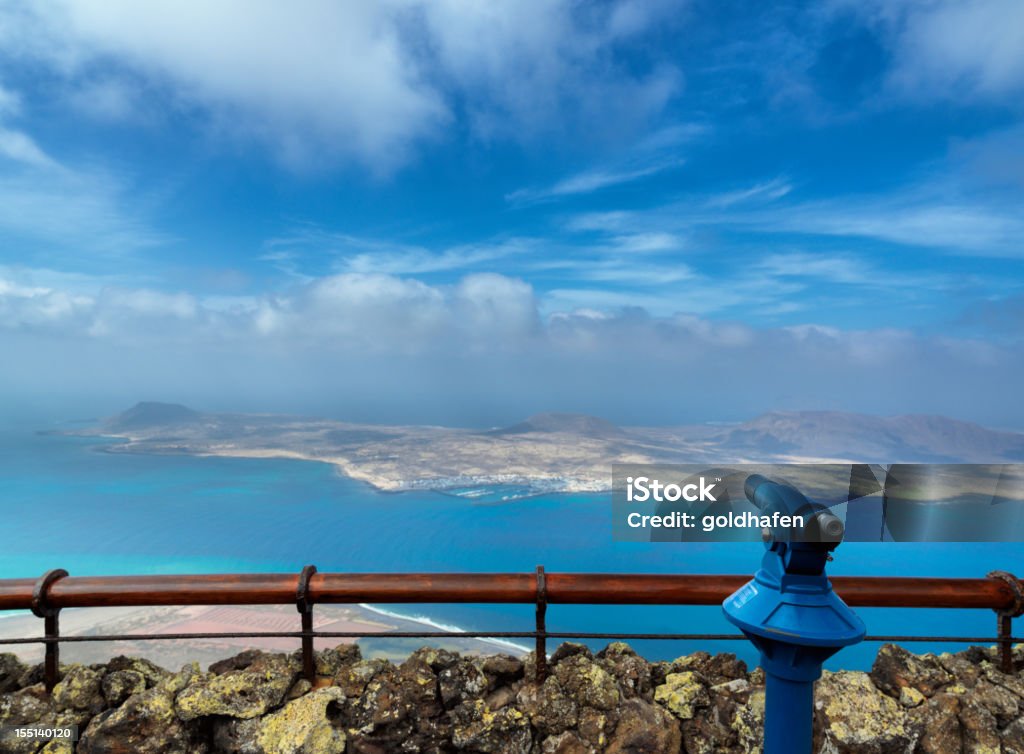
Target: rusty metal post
[[1005, 618], [51, 624], [541, 647], [305, 608], [1005, 644], [51, 662]]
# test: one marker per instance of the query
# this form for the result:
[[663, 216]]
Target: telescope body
[[791, 614]]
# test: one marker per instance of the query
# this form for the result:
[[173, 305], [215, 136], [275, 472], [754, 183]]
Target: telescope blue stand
[[791, 614]]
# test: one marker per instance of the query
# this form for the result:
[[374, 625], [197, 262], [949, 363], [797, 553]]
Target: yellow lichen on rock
[[853, 712], [241, 694], [682, 693], [910, 697], [79, 690], [303, 727]]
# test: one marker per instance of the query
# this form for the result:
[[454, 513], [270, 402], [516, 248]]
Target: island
[[550, 452]]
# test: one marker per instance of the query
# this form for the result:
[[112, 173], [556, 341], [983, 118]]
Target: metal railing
[[55, 590]]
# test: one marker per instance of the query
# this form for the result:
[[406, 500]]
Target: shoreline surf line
[[446, 627]]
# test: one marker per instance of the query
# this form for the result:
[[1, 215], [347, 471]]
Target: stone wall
[[438, 701]]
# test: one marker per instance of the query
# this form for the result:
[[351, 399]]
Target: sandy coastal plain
[[372, 625]]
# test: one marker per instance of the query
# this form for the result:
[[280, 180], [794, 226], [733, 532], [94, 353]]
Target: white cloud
[[974, 46], [317, 79], [481, 344], [494, 309], [537, 65], [951, 49], [321, 81]]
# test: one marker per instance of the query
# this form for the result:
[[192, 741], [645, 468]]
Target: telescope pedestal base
[[788, 715]]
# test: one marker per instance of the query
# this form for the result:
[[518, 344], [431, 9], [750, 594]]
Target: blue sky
[[465, 211]]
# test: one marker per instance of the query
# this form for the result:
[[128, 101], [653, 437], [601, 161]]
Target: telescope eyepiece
[[830, 527], [772, 497]]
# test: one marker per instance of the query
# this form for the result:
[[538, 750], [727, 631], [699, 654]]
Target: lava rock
[[895, 668], [644, 728], [152, 673], [550, 710], [80, 689], [478, 729], [11, 671], [587, 683], [249, 690], [854, 716], [936, 725], [632, 672], [145, 724], [120, 685], [304, 726]]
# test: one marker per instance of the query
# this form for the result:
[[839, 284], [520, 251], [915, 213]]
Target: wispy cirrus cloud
[[765, 192], [61, 213], [588, 182], [955, 225], [656, 153], [853, 270], [337, 252], [934, 214], [64, 209]]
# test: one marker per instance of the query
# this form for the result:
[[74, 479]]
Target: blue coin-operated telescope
[[789, 611]]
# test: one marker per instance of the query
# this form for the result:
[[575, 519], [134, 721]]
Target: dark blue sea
[[67, 504]]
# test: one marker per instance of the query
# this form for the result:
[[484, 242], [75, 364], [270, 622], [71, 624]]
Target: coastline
[[448, 628], [346, 468], [215, 619]]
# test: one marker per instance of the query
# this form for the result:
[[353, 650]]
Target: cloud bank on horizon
[[466, 211]]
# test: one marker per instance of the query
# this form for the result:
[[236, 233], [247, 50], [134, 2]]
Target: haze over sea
[[65, 504]]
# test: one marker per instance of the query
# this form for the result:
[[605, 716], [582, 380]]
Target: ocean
[[66, 503]]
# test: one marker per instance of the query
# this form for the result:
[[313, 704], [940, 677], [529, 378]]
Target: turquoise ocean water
[[64, 503]]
